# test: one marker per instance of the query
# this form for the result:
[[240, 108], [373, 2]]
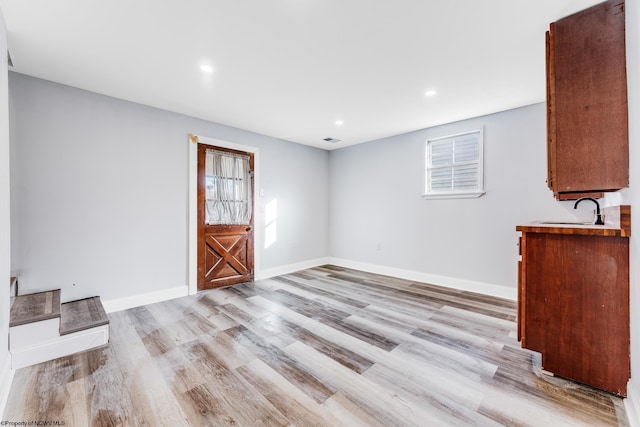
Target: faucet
[[599, 220]]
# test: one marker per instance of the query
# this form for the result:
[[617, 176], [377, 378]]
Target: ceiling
[[292, 68]]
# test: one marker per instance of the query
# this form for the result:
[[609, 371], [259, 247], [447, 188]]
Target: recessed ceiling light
[[339, 122], [430, 92], [206, 68]]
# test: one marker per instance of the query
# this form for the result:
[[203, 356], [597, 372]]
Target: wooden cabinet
[[573, 302], [587, 103]]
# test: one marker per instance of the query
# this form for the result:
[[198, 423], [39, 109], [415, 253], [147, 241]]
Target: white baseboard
[[60, 346], [449, 282], [6, 379], [632, 405], [291, 268], [120, 304]]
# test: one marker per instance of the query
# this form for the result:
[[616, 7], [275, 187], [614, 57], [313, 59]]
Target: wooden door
[[225, 242]]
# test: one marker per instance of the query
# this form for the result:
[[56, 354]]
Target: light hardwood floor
[[323, 347]]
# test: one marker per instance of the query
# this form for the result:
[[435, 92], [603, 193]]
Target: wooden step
[[42, 329], [82, 314], [35, 308]]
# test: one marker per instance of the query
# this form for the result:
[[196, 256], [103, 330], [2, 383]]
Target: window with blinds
[[454, 166]]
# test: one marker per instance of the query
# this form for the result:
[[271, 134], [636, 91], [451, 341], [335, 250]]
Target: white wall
[[5, 228], [633, 82], [100, 192], [376, 191]]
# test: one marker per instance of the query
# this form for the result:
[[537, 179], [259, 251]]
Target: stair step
[[32, 308], [42, 329], [82, 314]]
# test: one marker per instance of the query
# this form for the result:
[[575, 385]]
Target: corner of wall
[[632, 13], [632, 405], [6, 379], [6, 374]]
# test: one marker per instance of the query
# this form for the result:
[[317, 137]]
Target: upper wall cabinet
[[587, 103]]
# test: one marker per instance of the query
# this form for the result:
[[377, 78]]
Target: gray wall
[[376, 199], [100, 192]]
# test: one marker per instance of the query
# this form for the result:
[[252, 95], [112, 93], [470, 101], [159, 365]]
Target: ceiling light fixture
[[206, 68], [430, 92], [339, 122]]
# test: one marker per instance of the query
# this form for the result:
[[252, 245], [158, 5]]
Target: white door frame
[[194, 140]]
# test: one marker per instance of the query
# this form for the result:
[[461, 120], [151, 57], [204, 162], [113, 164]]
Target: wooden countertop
[[617, 224]]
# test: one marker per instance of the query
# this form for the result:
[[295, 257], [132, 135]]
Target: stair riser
[[59, 346], [33, 333]]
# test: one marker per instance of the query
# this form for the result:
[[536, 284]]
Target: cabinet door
[[587, 96], [537, 317], [577, 307]]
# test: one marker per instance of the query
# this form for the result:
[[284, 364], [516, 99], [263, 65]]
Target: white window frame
[[453, 193]]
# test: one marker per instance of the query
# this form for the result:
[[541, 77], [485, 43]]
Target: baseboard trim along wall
[[632, 405], [132, 301], [120, 304], [290, 268], [448, 282], [6, 379]]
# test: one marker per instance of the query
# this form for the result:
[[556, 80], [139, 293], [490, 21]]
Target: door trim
[[194, 140]]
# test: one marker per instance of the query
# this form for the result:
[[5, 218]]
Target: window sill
[[472, 195]]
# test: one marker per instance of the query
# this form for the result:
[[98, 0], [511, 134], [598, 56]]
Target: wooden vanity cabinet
[[573, 304], [587, 103]]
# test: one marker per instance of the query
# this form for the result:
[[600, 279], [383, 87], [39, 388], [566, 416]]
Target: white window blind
[[454, 166], [228, 188]]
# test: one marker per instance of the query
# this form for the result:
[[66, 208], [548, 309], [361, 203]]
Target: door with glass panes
[[225, 217]]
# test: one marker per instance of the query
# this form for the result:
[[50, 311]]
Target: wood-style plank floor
[[322, 347]]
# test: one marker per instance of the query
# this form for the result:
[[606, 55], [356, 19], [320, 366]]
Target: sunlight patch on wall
[[270, 220]]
